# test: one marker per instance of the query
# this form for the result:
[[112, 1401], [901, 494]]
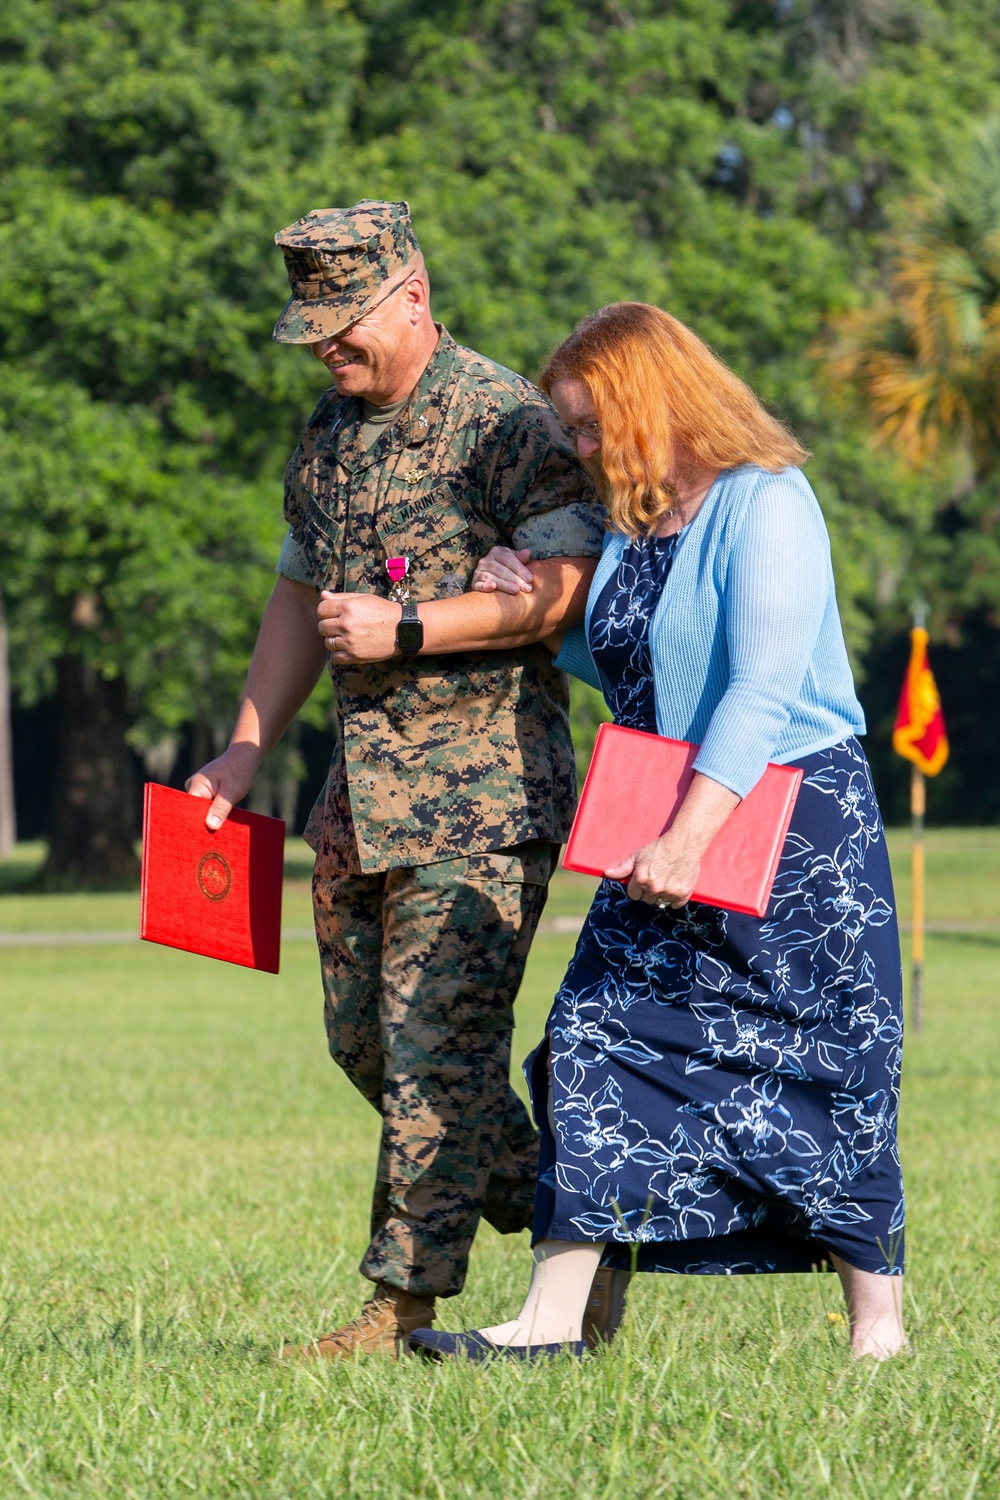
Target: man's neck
[[405, 382]]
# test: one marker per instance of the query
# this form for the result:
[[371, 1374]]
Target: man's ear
[[417, 298]]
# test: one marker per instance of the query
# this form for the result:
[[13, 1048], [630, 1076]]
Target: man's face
[[368, 358]]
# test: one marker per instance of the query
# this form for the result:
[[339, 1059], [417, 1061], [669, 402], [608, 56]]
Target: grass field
[[186, 1180]]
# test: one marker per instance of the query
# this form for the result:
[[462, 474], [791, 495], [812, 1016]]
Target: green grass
[[186, 1179]]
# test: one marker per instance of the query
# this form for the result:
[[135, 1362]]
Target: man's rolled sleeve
[[292, 562], [571, 531], [539, 490]]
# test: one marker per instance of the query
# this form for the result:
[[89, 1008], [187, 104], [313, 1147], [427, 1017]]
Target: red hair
[[654, 385]]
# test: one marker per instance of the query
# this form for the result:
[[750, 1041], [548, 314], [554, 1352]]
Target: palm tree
[[926, 356]]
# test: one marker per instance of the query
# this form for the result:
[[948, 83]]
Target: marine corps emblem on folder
[[214, 876]]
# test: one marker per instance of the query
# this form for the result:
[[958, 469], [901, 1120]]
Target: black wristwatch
[[410, 630]]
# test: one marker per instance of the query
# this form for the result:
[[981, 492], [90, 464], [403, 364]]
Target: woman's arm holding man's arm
[[507, 571]]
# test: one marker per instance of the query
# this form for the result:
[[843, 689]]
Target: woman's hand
[[505, 570], [663, 873]]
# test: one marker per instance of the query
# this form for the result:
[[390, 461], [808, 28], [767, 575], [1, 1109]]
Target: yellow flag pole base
[[917, 997]]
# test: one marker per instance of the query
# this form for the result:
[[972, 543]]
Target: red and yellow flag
[[919, 733]]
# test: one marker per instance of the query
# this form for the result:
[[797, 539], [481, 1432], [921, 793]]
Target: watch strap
[[410, 630]]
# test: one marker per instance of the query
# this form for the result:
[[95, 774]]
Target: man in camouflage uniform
[[451, 785]]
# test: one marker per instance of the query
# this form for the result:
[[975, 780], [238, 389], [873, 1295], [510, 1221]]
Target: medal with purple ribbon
[[397, 569]]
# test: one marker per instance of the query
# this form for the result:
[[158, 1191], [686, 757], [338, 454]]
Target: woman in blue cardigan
[[718, 1093]]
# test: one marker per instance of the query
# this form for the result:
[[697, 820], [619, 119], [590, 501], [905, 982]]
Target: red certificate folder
[[634, 786], [218, 894]]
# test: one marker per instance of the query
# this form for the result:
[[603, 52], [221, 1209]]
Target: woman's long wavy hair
[[655, 385]]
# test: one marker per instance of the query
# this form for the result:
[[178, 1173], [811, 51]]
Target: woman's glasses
[[589, 430]]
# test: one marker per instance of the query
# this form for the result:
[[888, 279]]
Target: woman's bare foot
[[874, 1310]]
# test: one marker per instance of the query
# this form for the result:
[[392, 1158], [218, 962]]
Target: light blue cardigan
[[747, 647]]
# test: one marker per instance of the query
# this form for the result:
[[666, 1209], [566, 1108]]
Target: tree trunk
[[8, 827], [92, 826]]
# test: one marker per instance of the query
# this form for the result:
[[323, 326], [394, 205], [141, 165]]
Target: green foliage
[[738, 161], [588, 711], [144, 413]]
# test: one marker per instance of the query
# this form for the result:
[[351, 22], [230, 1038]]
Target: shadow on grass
[[22, 870], [967, 939], [171, 1340], [22, 873]]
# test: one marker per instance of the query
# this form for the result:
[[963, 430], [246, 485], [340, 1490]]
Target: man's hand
[[225, 781], [358, 627]]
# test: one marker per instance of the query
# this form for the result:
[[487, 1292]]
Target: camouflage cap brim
[[340, 263], [307, 322]]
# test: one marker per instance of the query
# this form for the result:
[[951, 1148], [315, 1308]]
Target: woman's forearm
[[701, 815], [477, 621]]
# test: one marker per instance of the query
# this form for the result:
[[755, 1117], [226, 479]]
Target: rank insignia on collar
[[421, 420], [411, 476]]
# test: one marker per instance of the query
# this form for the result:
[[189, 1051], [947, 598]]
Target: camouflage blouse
[[440, 756]]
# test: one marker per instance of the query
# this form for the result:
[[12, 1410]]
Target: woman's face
[[575, 406]]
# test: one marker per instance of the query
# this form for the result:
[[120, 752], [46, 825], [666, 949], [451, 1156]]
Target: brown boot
[[381, 1327], [605, 1306]]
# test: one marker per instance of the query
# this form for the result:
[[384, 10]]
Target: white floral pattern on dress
[[725, 1089], [716, 1075]]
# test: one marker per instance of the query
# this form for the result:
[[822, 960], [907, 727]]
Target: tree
[[926, 354], [117, 550], [149, 153], [735, 160], [8, 823], [924, 358]]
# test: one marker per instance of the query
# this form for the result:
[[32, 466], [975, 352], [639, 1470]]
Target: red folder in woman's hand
[[218, 894], [636, 783]]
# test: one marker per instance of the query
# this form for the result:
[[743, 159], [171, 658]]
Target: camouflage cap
[[338, 260]]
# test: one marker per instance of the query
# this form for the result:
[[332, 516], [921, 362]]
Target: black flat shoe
[[475, 1346]]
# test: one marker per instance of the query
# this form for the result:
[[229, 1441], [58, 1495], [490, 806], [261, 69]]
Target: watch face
[[410, 635]]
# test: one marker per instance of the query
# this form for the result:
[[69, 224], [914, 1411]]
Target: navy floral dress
[[724, 1088]]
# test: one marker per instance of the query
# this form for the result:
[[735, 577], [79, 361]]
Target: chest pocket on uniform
[[428, 522]]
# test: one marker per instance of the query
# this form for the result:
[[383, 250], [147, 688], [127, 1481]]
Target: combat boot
[[605, 1306], [381, 1327]]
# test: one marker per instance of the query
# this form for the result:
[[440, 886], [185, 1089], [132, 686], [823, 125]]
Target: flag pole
[[918, 803], [918, 807]]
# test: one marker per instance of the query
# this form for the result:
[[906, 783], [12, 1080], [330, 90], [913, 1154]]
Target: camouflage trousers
[[420, 970]]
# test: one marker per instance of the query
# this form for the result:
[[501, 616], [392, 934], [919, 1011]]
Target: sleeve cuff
[[576, 659], [292, 563], [570, 531], [741, 779]]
